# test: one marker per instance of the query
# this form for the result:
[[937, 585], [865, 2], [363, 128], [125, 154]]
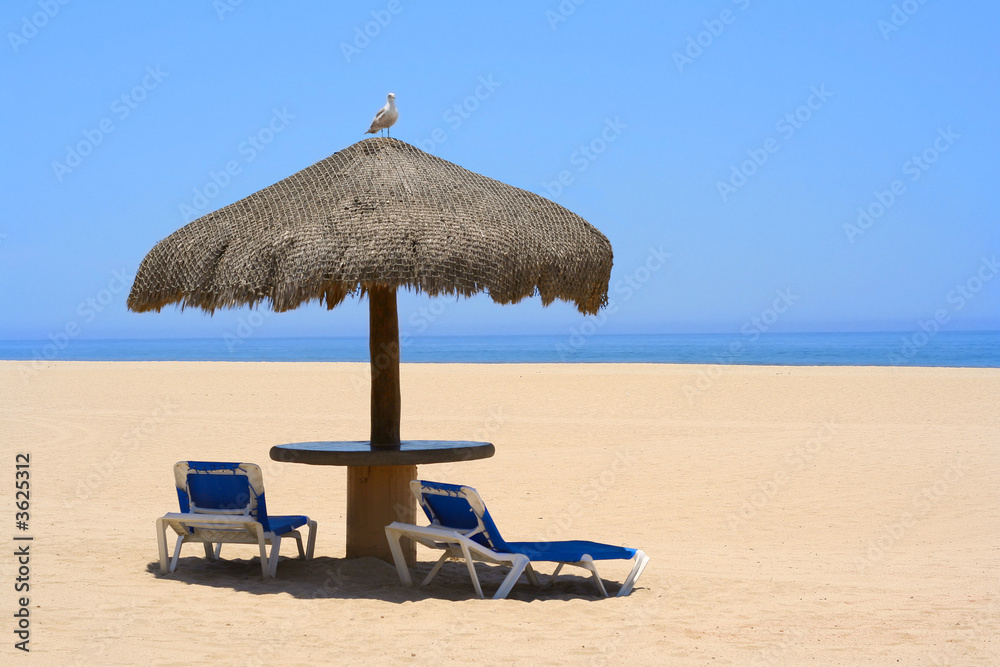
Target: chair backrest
[[459, 508], [210, 487]]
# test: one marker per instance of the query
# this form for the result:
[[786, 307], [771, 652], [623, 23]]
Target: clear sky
[[826, 166]]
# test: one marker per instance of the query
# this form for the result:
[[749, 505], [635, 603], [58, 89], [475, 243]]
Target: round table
[[378, 482]]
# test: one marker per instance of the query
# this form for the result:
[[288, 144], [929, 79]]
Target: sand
[[792, 515]]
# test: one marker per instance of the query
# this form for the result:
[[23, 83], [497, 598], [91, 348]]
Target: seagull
[[386, 116]]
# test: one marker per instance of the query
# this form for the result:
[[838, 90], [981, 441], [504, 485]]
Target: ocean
[[952, 349]]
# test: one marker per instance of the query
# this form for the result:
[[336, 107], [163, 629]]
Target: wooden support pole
[[377, 496], [383, 343]]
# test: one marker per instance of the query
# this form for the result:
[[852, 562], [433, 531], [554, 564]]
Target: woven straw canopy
[[378, 214]]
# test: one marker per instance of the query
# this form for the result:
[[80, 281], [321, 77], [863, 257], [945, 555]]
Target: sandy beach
[[793, 515]]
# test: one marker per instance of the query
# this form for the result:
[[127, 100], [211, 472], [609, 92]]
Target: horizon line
[[514, 335]]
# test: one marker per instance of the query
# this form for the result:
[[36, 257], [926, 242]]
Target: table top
[[361, 453]]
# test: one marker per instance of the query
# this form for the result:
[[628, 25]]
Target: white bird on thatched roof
[[386, 116]]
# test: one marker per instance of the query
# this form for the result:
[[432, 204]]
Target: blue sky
[[823, 166]]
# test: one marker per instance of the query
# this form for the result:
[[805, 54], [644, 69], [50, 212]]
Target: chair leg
[[532, 576], [392, 536], [516, 568], [161, 545], [298, 542], [434, 570], [272, 565], [311, 543], [640, 564], [218, 550], [552, 577], [263, 551], [588, 564], [472, 571], [209, 550], [177, 553]]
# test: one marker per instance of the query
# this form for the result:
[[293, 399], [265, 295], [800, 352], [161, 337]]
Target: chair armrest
[[427, 535], [192, 520]]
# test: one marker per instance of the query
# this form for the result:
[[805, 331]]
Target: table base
[[377, 496]]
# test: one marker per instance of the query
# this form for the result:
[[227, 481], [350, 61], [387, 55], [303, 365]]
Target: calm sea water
[[959, 349]]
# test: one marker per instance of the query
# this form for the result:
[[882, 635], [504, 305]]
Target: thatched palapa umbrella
[[374, 217]]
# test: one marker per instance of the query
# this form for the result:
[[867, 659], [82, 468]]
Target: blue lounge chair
[[462, 527], [224, 502]]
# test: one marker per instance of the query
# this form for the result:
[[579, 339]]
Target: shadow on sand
[[370, 578]]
